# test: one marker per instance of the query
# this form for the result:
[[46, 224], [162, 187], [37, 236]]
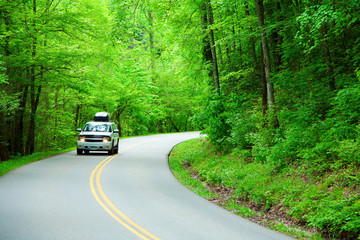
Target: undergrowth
[[326, 200], [15, 162]]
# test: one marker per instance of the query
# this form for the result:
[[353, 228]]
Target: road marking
[[109, 207]]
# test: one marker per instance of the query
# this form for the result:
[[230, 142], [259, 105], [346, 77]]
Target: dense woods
[[274, 81], [62, 61]]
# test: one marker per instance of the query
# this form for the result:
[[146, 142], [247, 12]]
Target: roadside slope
[[286, 200]]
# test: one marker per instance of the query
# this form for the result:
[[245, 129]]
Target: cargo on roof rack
[[102, 117]]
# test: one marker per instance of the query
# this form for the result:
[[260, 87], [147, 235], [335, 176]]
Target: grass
[[280, 200], [19, 161], [181, 154]]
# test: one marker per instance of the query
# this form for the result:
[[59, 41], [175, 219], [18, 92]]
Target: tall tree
[[266, 53], [206, 45], [212, 44]]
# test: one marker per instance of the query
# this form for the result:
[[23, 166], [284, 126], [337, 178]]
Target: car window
[[96, 127]]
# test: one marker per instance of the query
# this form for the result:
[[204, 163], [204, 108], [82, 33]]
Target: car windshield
[[97, 127]]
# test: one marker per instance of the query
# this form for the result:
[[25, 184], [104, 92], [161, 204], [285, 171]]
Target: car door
[[116, 135]]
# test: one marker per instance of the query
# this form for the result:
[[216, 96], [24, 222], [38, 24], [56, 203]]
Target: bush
[[214, 118], [321, 195]]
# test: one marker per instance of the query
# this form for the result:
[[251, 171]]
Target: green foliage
[[328, 202], [215, 119], [345, 115], [181, 155], [242, 122], [340, 216], [88, 56], [18, 161], [8, 103], [3, 77], [228, 122]]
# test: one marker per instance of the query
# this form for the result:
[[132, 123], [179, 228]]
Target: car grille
[[94, 138]]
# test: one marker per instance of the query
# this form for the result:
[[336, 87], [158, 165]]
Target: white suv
[[99, 135]]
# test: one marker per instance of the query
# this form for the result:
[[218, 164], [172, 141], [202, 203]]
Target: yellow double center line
[[109, 207]]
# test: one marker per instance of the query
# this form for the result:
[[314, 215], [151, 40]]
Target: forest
[[274, 81]]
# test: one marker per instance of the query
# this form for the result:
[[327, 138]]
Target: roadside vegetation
[[15, 162], [18, 161], [292, 199]]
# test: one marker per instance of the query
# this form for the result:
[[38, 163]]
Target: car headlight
[[81, 138], [106, 139]]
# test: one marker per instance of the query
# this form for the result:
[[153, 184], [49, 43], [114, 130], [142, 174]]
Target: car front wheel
[[111, 152], [117, 148]]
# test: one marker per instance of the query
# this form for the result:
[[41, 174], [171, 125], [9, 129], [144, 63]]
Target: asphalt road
[[132, 195]]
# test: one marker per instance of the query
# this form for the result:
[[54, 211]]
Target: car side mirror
[[116, 131], [78, 130]]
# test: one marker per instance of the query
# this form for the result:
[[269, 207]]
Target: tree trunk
[[151, 44], [329, 63], [260, 66], [117, 117], [252, 40], [34, 94], [266, 53], [4, 132], [264, 87], [30, 142], [19, 123], [77, 116], [4, 152], [206, 41], [212, 45], [276, 39]]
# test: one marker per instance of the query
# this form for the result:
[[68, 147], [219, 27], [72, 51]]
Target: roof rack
[[102, 117]]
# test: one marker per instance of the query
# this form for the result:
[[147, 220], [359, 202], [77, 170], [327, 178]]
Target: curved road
[[132, 195]]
